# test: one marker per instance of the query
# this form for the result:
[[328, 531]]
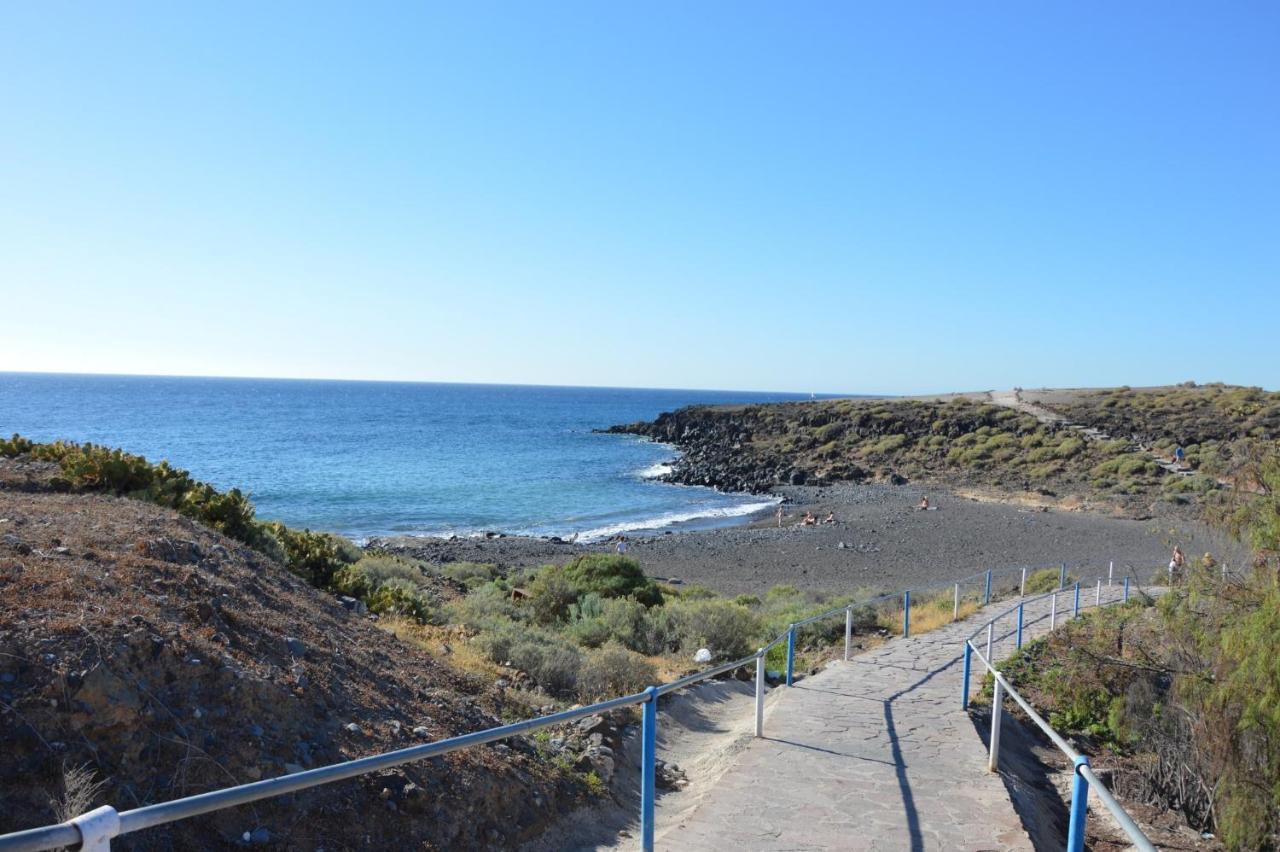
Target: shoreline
[[879, 540]]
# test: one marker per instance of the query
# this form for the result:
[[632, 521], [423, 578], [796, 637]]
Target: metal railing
[[1084, 777], [93, 831]]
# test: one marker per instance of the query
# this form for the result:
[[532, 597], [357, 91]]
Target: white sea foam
[[655, 471], [671, 518]]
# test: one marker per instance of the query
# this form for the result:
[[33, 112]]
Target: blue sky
[[879, 197]]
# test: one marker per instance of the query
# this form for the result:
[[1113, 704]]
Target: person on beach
[[621, 547], [779, 515], [924, 503], [810, 520], [830, 518], [1177, 564]]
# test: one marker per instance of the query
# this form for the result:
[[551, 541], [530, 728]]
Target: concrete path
[[873, 754]]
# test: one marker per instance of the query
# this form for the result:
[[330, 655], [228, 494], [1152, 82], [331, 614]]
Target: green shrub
[[1070, 447], [612, 671], [486, 607], [470, 574], [314, 556], [380, 568], [1044, 580], [550, 596], [400, 597], [889, 443], [553, 663], [15, 446], [727, 629], [611, 576]]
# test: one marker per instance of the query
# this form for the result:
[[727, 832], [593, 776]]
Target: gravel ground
[[887, 543]]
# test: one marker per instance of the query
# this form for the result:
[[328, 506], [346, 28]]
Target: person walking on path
[[1179, 455], [621, 547], [1177, 564]]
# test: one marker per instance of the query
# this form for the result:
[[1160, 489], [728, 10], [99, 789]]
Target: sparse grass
[[928, 614], [79, 790]]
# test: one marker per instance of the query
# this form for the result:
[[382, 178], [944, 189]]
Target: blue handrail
[[1084, 777]]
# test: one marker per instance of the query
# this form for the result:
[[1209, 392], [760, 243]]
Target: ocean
[[394, 458]]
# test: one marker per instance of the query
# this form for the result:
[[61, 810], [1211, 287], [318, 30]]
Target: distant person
[[810, 520], [924, 503], [778, 514], [830, 518], [621, 547], [1177, 563], [1179, 455]]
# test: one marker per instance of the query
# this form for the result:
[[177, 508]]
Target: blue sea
[[391, 458]]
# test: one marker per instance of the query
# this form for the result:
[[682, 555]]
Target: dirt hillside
[[171, 660]]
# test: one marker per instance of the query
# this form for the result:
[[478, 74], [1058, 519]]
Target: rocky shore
[[717, 449]]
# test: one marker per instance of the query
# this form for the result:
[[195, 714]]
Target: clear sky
[[880, 197]]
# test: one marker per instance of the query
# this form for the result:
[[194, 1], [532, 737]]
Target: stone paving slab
[[874, 754]]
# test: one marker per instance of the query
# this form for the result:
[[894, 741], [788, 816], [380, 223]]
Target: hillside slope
[[970, 441], [172, 660]]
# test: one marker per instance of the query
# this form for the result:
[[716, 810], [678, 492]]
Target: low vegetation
[[1185, 690]]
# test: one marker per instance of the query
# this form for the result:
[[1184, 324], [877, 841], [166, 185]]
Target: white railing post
[[1097, 597], [1111, 567], [760, 693], [991, 626], [96, 828], [1022, 587], [997, 697], [956, 614], [1053, 611], [848, 631]]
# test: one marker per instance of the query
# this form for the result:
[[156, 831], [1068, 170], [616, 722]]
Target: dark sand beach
[[879, 540]]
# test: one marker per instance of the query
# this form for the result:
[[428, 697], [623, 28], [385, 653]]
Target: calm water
[[369, 458]]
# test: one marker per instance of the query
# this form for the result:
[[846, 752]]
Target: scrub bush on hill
[[611, 576], [614, 670], [16, 446], [727, 629], [92, 468], [1190, 686]]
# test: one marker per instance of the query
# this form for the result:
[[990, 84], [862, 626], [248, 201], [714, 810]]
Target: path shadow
[[1027, 779]]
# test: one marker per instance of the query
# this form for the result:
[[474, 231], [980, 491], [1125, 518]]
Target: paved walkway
[[873, 754]]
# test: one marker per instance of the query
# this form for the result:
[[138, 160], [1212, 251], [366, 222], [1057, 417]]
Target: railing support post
[[1075, 613], [991, 629], [1079, 807], [955, 615], [906, 614], [1022, 587], [791, 653], [760, 693], [964, 686], [96, 828], [1111, 568], [988, 596], [648, 767], [848, 632], [997, 695], [1126, 588], [1097, 594], [1053, 611], [1062, 576], [1019, 639]]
